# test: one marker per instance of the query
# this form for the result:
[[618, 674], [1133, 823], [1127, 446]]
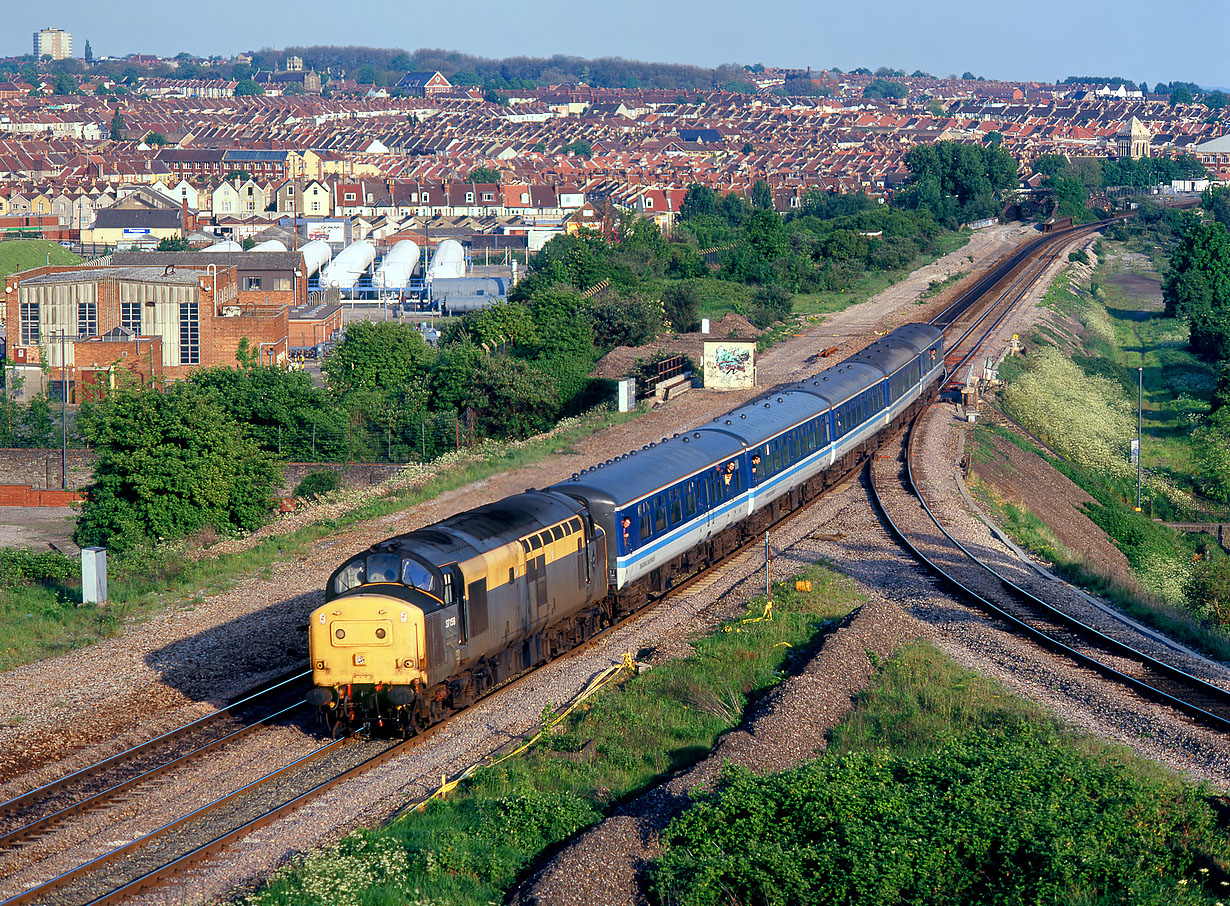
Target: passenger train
[[420, 624]]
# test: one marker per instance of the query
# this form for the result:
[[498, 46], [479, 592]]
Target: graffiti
[[734, 361], [730, 365]]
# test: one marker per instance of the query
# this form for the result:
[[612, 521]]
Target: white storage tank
[[226, 245], [449, 261], [316, 254], [398, 265], [269, 245], [344, 270]]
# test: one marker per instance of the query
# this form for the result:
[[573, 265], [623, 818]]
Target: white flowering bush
[[345, 875], [1085, 418]]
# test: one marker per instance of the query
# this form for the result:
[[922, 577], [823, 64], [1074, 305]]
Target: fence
[[399, 438], [408, 437], [663, 371]]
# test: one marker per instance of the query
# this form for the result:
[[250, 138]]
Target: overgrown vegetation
[[470, 847], [943, 788], [1080, 398]]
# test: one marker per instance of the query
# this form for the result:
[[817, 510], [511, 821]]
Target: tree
[[1216, 201], [1197, 288], [65, 84], [377, 355], [241, 72], [1180, 95], [89, 52], [155, 138], [1216, 100], [172, 244], [697, 201], [117, 127], [762, 196], [248, 88], [882, 88], [169, 464], [580, 148], [484, 175]]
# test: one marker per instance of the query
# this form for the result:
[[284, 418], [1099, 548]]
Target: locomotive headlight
[[380, 633], [320, 665], [341, 633], [359, 660]]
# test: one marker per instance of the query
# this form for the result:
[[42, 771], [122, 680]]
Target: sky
[[1043, 40]]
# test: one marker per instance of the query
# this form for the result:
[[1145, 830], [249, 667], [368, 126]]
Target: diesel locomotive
[[419, 625]]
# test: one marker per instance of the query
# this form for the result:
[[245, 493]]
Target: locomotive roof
[[484, 527], [769, 415], [640, 472]]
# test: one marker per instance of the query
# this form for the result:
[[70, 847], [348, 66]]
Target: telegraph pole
[[1140, 423]]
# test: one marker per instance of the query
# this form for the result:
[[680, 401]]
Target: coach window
[[659, 515], [689, 499], [676, 507], [382, 568], [643, 514]]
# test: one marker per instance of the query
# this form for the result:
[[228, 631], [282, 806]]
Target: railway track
[[1114, 651], [39, 810], [153, 858]]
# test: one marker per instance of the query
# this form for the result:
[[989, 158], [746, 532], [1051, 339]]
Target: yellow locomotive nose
[[365, 640]]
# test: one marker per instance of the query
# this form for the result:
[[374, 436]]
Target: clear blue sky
[[1036, 39]]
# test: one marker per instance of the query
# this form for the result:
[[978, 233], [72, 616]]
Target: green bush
[[771, 304], [25, 567], [319, 482], [940, 788]]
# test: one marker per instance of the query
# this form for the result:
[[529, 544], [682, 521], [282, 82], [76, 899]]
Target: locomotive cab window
[[557, 532], [382, 568], [352, 575], [417, 575]]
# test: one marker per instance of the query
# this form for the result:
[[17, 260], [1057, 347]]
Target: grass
[[474, 845], [37, 621], [23, 254]]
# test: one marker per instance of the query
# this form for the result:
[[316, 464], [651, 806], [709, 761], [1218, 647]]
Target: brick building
[[174, 320], [311, 325], [264, 277]]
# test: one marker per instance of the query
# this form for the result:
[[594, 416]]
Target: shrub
[[771, 304], [25, 567], [624, 320], [681, 306], [322, 481]]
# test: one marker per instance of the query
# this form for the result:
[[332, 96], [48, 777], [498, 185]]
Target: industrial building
[[154, 322]]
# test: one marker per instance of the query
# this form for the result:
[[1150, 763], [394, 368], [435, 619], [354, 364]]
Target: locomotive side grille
[[435, 642], [477, 598]]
